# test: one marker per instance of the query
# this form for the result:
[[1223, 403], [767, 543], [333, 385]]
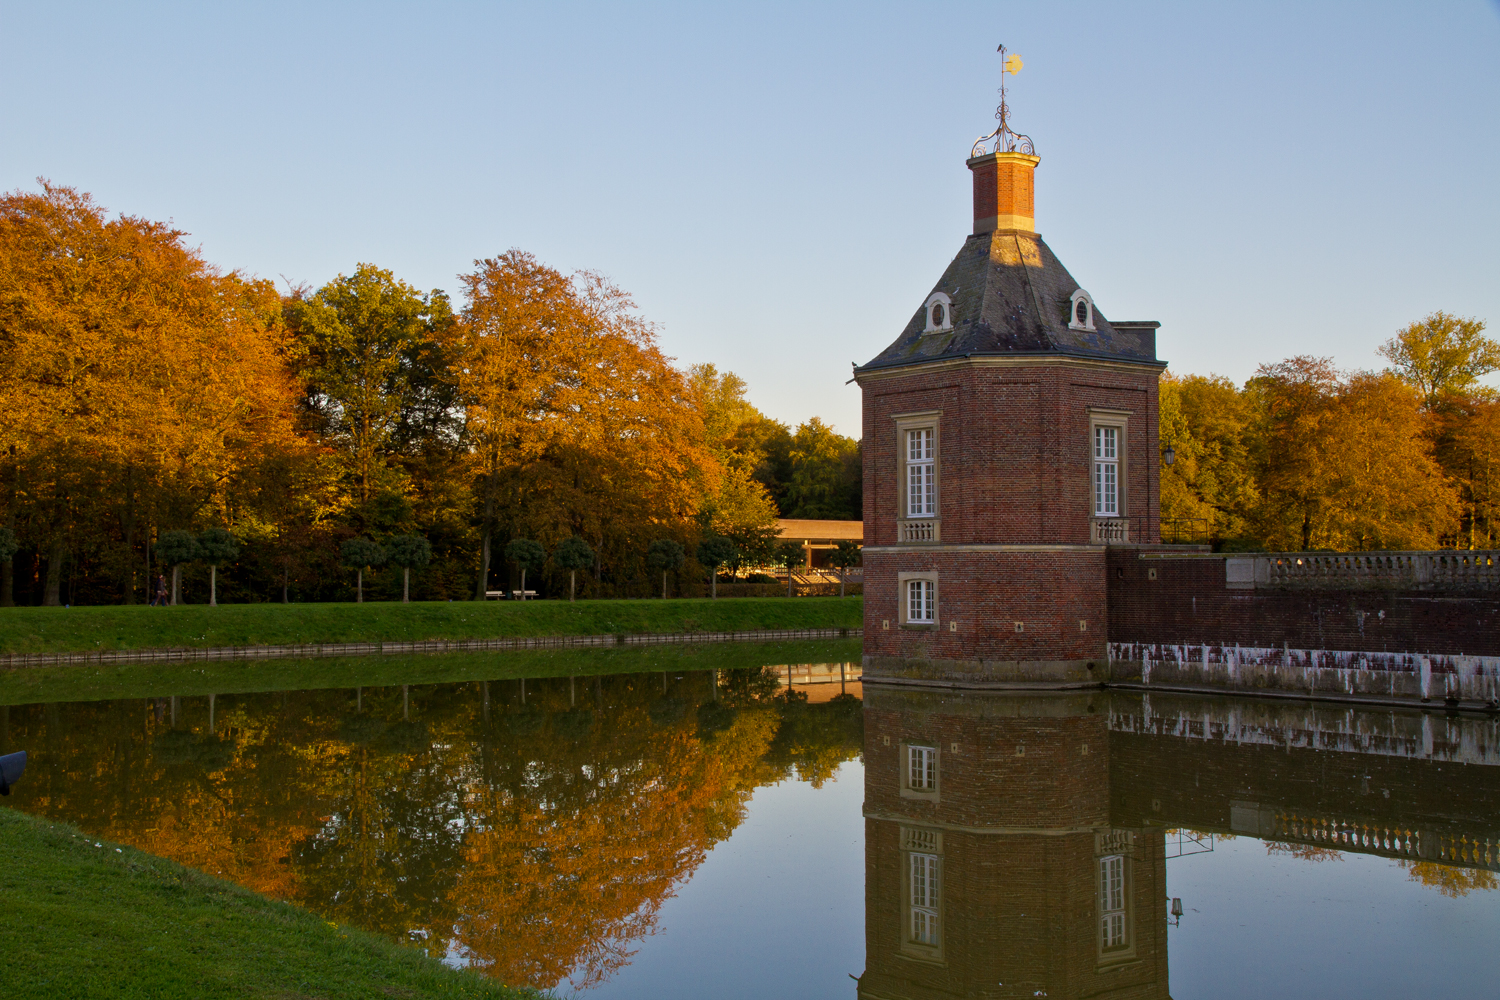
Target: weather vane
[[1006, 140]]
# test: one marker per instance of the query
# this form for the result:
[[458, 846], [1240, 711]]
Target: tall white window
[[921, 768], [924, 875], [1112, 929], [1106, 472], [921, 483], [921, 601]]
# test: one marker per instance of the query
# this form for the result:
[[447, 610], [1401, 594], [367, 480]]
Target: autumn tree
[[136, 379], [1207, 421], [1441, 354]]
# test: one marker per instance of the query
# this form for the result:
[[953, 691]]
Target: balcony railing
[[1109, 530], [923, 529]]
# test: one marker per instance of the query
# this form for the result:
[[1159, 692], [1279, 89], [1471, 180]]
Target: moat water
[[714, 833]]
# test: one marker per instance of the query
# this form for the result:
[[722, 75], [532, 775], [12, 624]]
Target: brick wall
[[1058, 598], [1187, 602], [1015, 458]]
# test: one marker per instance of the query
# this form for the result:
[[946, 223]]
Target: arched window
[[939, 310], [1081, 311]]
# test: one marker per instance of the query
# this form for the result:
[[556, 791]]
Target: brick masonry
[[1014, 464], [1185, 601]]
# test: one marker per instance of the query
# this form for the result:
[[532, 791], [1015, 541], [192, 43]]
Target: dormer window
[[939, 309], [1081, 311]]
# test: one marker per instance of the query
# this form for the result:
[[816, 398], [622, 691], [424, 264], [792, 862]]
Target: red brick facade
[[1021, 590], [1185, 601]]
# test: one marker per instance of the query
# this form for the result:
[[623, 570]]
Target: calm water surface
[[711, 834]]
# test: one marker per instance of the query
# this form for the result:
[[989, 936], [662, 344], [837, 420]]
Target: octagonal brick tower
[[1010, 436]]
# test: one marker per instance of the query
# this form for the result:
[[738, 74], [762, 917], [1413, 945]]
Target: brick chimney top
[[1004, 191]]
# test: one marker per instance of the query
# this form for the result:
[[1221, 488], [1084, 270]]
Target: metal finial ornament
[[1006, 140]]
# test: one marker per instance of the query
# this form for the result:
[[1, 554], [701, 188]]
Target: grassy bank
[[104, 921], [90, 682], [71, 630]]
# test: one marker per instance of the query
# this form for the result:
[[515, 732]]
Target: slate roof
[[1011, 296]]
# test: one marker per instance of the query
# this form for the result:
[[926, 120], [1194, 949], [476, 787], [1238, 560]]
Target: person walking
[[160, 600]]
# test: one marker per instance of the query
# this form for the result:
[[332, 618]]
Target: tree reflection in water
[[534, 835]]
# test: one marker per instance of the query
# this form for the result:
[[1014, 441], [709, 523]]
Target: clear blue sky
[[780, 185]]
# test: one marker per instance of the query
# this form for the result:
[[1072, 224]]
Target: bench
[[514, 595]]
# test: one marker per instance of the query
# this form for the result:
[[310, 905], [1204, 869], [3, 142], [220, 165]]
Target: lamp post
[[1176, 912], [1170, 455]]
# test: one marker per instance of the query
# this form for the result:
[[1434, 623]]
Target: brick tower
[[1010, 435]]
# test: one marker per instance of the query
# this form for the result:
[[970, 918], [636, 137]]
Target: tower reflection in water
[[992, 867]]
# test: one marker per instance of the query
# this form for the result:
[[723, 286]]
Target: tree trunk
[[713, 581], [213, 585], [52, 594], [789, 579], [405, 584], [359, 586], [484, 568], [176, 583], [572, 585], [129, 539], [841, 581], [664, 585], [523, 588], [286, 572], [7, 584]]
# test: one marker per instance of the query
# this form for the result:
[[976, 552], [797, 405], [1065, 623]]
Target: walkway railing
[[1444, 569]]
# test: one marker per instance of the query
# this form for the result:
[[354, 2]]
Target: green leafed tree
[[173, 549], [371, 353], [409, 552], [528, 555], [573, 555], [713, 552], [360, 554], [666, 556], [215, 546], [844, 555], [788, 554]]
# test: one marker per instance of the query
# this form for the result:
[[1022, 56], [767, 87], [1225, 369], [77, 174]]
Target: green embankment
[[107, 921], [97, 682], [73, 630]]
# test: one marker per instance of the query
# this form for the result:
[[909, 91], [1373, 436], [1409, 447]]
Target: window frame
[[903, 582], [1119, 421], [925, 526]]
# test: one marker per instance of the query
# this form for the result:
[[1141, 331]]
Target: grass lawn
[[87, 629], [96, 682], [106, 921]]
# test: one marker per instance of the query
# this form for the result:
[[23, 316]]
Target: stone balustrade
[[1109, 531], [1445, 569]]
